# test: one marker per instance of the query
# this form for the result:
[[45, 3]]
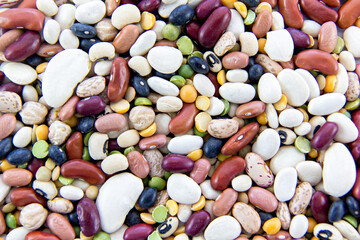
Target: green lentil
[[101, 236], [139, 101], [185, 45], [160, 213], [250, 17], [158, 183], [40, 149], [186, 71], [10, 220], [170, 32], [114, 152], [65, 181], [302, 144], [178, 80]]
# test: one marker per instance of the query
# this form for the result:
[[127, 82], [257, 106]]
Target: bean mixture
[[179, 119]]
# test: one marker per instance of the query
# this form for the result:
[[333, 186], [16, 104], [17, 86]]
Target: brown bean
[[332, 3], [263, 199], [290, 11], [165, 43], [185, 119], [262, 23], [314, 59], [318, 12], [327, 37], [348, 13], [224, 202], [119, 79], [111, 5], [17, 177], [250, 109], [29, 18], [235, 60], [126, 38], [289, 64], [240, 139], [60, 226], [268, 64], [69, 108], [9, 37], [74, 146], [358, 70], [25, 195], [138, 165], [49, 50], [78, 168]]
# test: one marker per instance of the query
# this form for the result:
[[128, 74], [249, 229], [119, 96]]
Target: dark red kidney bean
[[90, 106], [177, 163], [205, 8], [324, 136], [74, 146], [348, 13], [138, 232], [301, 39], [197, 222], [355, 150], [289, 9], [40, 235], [119, 79], [332, 3], [11, 87], [24, 47], [23, 196], [240, 139], [320, 207], [155, 141], [356, 188], [192, 29], [78, 168], [148, 5], [2, 76], [214, 81], [89, 218], [34, 165], [250, 109], [353, 206], [214, 26], [112, 145], [337, 211], [355, 117], [226, 171], [184, 120], [318, 12]]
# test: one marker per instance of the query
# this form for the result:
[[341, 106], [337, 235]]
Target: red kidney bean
[[2, 223], [290, 11], [197, 222], [25, 195], [184, 120], [200, 170], [138, 165], [314, 59], [262, 23], [11, 87], [320, 206], [214, 26], [355, 150], [34, 165], [205, 8], [318, 12], [89, 218], [74, 146], [240, 139], [78, 168], [224, 202], [250, 109], [177, 163], [332, 3], [40, 235], [49, 50], [192, 30], [148, 5], [119, 79], [138, 232], [155, 141], [9, 37], [28, 18], [90, 106], [226, 171], [355, 117], [356, 188], [24, 47], [69, 108], [214, 81], [348, 13], [301, 39], [324, 136], [2, 76]]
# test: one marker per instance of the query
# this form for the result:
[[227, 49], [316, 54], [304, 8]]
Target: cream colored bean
[[29, 93], [140, 65], [348, 60], [33, 216], [48, 7], [60, 205], [277, 21], [128, 138], [249, 44], [103, 68], [51, 31], [101, 50], [68, 40], [311, 27]]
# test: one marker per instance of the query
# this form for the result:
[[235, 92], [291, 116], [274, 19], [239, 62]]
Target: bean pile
[[179, 119]]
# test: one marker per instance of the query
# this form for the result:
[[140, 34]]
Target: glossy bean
[[317, 60], [83, 30], [262, 24], [224, 202], [320, 206], [138, 232], [263, 199], [337, 211], [177, 163], [110, 122], [147, 198], [138, 165], [192, 30], [200, 170], [78, 168], [327, 37], [57, 154], [184, 120], [226, 171], [199, 65], [301, 39], [74, 146], [90, 106], [204, 9], [68, 109], [353, 206], [235, 60], [250, 110], [26, 195], [318, 12], [6, 147], [290, 11], [119, 79], [34, 165], [17, 177], [214, 26], [348, 13], [9, 37], [324, 136], [19, 156], [356, 188], [28, 18], [40, 235], [332, 3], [88, 216], [141, 87], [181, 15], [85, 124], [25, 46], [212, 147], [155, 141], [197, 222], [148, 5]]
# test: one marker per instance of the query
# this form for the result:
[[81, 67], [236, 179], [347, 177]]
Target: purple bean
[[205, 8], [301, 39], [89, 218], [148, 5], [320, 206], [197, 223], [138, 232], [11, 87], [177, 163], [25, 46], [192, 29], [90, 106], [323, 137]]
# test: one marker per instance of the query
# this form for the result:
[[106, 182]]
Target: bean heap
[[179, 119]]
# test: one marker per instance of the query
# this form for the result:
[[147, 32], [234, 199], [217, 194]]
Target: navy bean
[[147, 198], [251, 3], [199, 65], [255, 73], [19, 156], [163, 75], [73, 219], [57, 154], [353, 206], [11, 87], [337, 211], [212, 147], [86, 43], [83, 30], [141, 87], [5, 147], [301, 39], [89, 218], [181, 15], [90, 106], [264, 216], [133, 217], [85, 124]]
